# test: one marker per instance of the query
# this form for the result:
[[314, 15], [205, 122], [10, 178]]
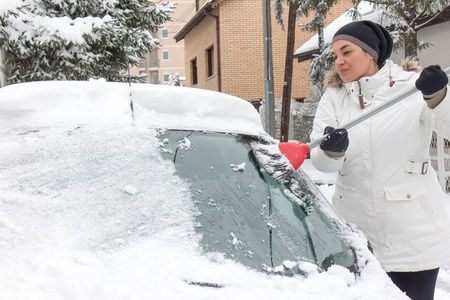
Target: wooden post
[[287, 86]]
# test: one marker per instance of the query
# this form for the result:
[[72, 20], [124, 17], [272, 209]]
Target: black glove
[[337, 141], [431, 81]]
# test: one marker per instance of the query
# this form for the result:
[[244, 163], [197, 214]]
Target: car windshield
[[244, 213]]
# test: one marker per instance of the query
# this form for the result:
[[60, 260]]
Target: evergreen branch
[[420, 15], [432, 19]]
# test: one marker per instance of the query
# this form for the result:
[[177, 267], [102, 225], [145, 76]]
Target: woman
[[386, 185]]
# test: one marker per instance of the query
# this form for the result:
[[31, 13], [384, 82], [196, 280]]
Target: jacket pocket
[[405, 191], [348, 204], [407, 219]]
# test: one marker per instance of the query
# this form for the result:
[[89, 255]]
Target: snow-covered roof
[[367, 11], [51, 102]]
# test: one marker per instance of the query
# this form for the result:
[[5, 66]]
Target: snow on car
[[118, 191]]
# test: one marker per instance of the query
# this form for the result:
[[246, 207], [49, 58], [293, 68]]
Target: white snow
[[154, 106], [90, 210], [44, 29], [238, 167], [195, 109], [367, 12], [132, 190], [185, 144]]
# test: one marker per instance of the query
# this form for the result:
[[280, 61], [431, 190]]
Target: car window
[[245, 214]]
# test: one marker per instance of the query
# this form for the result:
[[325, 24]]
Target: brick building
[[223, 48]]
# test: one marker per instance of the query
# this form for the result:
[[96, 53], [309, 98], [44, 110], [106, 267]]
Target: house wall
[[242, 50], [241, 30], [201, 38], [438, 35]]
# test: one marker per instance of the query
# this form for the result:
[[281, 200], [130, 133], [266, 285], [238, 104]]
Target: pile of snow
[[56, 102], [191, 108], [90, 210], [53, 102]]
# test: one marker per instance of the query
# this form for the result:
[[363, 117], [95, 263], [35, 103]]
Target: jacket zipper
[[360, 96]]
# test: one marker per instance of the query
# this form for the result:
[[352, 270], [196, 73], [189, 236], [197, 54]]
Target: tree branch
[[432, 19], [420, 15]]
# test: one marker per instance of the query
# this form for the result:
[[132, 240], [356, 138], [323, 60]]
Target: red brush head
[[294, 152]]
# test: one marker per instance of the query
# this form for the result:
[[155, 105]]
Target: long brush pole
[[297, 152], [374, 111]]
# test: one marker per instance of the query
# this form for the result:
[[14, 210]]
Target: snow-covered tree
[[318, 9], [77, 39], [320, 63], [406, 18], [174, 80], [323, 61]]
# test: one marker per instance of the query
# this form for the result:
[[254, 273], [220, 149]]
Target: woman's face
[[352, 62]]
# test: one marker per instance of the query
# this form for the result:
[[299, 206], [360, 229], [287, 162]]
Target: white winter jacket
[[386, 185]]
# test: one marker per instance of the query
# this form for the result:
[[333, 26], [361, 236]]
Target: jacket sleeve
[[441, 120], [325, 116]]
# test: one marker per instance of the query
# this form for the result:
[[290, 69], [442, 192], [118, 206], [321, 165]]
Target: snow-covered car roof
[[52, 102], [89, 209]]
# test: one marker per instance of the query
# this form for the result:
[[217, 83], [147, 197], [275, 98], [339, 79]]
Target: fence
[[440, 160]]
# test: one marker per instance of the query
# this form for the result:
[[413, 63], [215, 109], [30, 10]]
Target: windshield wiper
[[204, 284]]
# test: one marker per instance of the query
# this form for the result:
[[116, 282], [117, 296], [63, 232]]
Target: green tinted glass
[[244, 213]]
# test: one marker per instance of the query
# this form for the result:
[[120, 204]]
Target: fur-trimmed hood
[[332, 78]]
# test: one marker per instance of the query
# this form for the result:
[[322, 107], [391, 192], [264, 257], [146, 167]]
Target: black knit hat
[[370, 36]]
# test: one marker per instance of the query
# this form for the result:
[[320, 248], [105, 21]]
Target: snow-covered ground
[[325, 183]]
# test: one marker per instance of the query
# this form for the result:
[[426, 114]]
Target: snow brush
[[296, 152]]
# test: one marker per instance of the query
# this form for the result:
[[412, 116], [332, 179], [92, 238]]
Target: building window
[[143, 62], [194, 71], [165, 55], [166, 77], [154, 58], [210, 61], [165, 33], [155, 77]]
